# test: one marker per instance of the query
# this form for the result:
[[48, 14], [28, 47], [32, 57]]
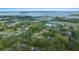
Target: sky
[[39, 9]]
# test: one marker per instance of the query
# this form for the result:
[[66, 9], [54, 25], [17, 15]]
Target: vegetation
[[28, 34]]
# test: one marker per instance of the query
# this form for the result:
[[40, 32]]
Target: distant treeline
[[41, 18], [16, 17], [74, 20], [74, 14]]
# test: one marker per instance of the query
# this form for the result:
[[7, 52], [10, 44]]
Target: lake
[[39, 13]]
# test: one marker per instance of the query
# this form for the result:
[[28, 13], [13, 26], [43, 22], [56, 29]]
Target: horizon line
[[39, 9]]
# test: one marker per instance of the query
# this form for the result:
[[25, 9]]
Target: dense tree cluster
[[36, 36]]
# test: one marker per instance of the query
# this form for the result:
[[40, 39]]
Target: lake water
[[39, 13]]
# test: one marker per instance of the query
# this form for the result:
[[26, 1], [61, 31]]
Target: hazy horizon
[[39, 9], [38, 13]]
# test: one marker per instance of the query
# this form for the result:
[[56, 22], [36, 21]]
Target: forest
[[41, 33]]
